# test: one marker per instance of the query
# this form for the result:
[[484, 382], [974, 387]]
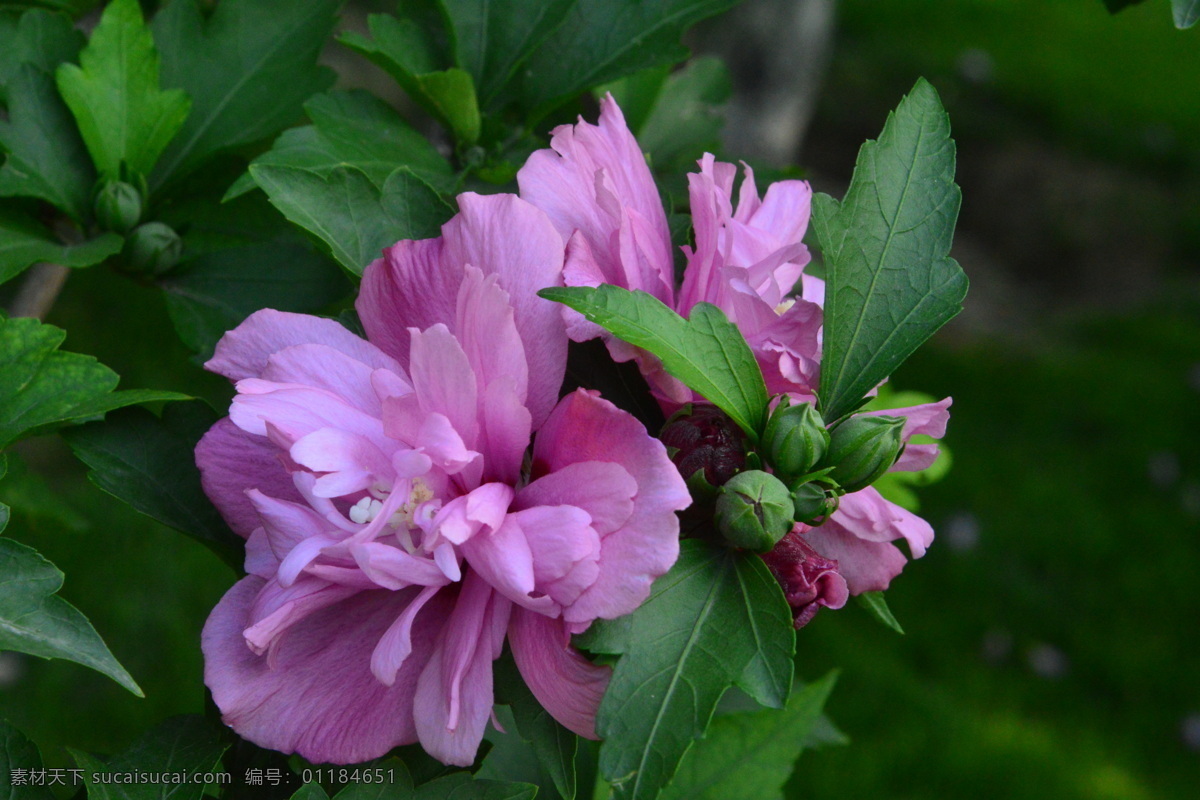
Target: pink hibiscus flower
[[397, 534], [596, 188]]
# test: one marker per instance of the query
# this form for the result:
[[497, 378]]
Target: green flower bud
[[754, 511], [118, 206], [862, 448], [795, 439], [808, 502], [153, 248]]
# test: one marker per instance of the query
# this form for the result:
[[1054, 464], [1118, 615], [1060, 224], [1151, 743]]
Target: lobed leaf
[[889, 281], [37, 37], [123, 115], [718, 618], [34, 620], [24, 242], [248, 66], [19, 753], [707, 351]]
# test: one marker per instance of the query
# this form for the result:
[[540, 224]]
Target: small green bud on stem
[[795, 439], [118, 206], [754, 511], [862, 448], [152, 248]]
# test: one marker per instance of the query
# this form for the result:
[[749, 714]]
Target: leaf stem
[[40, 289]]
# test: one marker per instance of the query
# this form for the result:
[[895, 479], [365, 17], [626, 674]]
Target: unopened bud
[[118, 206], [809, 503], [862, 448], [703, 437], [153, 248], [795, 439], [754, 511]]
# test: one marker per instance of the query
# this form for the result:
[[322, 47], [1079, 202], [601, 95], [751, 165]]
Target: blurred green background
[[1053, 631]]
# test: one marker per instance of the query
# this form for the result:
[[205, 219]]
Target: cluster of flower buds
[[151, 248], [811, 467]]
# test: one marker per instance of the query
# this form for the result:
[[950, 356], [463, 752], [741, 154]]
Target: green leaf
[[462, 786], [189, 744], [46, 157], [4, 510], [878, 607], [150, 464], [354, 129], [889, 281], [602, 40], [34, 620], [19, 753], [349, 214], [248, 67], [310, 791], [493, 38], [553, 744], [42, 387], [213, 293], [24, 242], [400, 47], [707, 351], [686, 117], [1186, 12], [37, 37], [123, 115], [750, 756], [717, 618]]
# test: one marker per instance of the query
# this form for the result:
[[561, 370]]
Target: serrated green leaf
[[248, 67], [213, 293], [24, 242], [493, 38], [38, 37], [553, 745], [123, 115], [149, 463], [354, 129], [750, 756], [34, 620], [889, 281], [349, 214], [875, 603], [42, 387], [1186, 12], [707, 351], [601, 40], [401, 48], [19, 753], [46, 157], [681, 117], [718, 618], [188, 744]]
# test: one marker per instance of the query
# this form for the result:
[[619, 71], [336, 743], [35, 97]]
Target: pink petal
[[867, 566], [454, 694], [395, 646], [349, 462], [320, 698], [392, 568], [243, 352], [324, 367], [296, 411], [583, 427], [601, 488], [507, 425], [278, 608], [869, 517], [443, 380], [927, 419], [565, 550], [410, 287], [231, 461], [563, 681], [485, 329]]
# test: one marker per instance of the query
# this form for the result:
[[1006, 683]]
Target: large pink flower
[[397, 533], [747, 260]]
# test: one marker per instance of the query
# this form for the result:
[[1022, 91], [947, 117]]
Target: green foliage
[[248, 66], [34, 620], [347, 212], [676, 117], [23, 242], [149, 463], [189, 744], [718, 618], [402, 48], [123, 115], [707, 351], [602, 40], [36, 37], [889, 281], [493, 38], [42, 387], [553, 745], [354, 129], [18, 752], [749, 756], [875, 603], [46, 157], [5, 512]]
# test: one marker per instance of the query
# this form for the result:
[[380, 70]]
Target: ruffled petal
[[232, 461], [867, 566]]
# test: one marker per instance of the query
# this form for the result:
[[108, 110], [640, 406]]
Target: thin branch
[[40, 289]]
